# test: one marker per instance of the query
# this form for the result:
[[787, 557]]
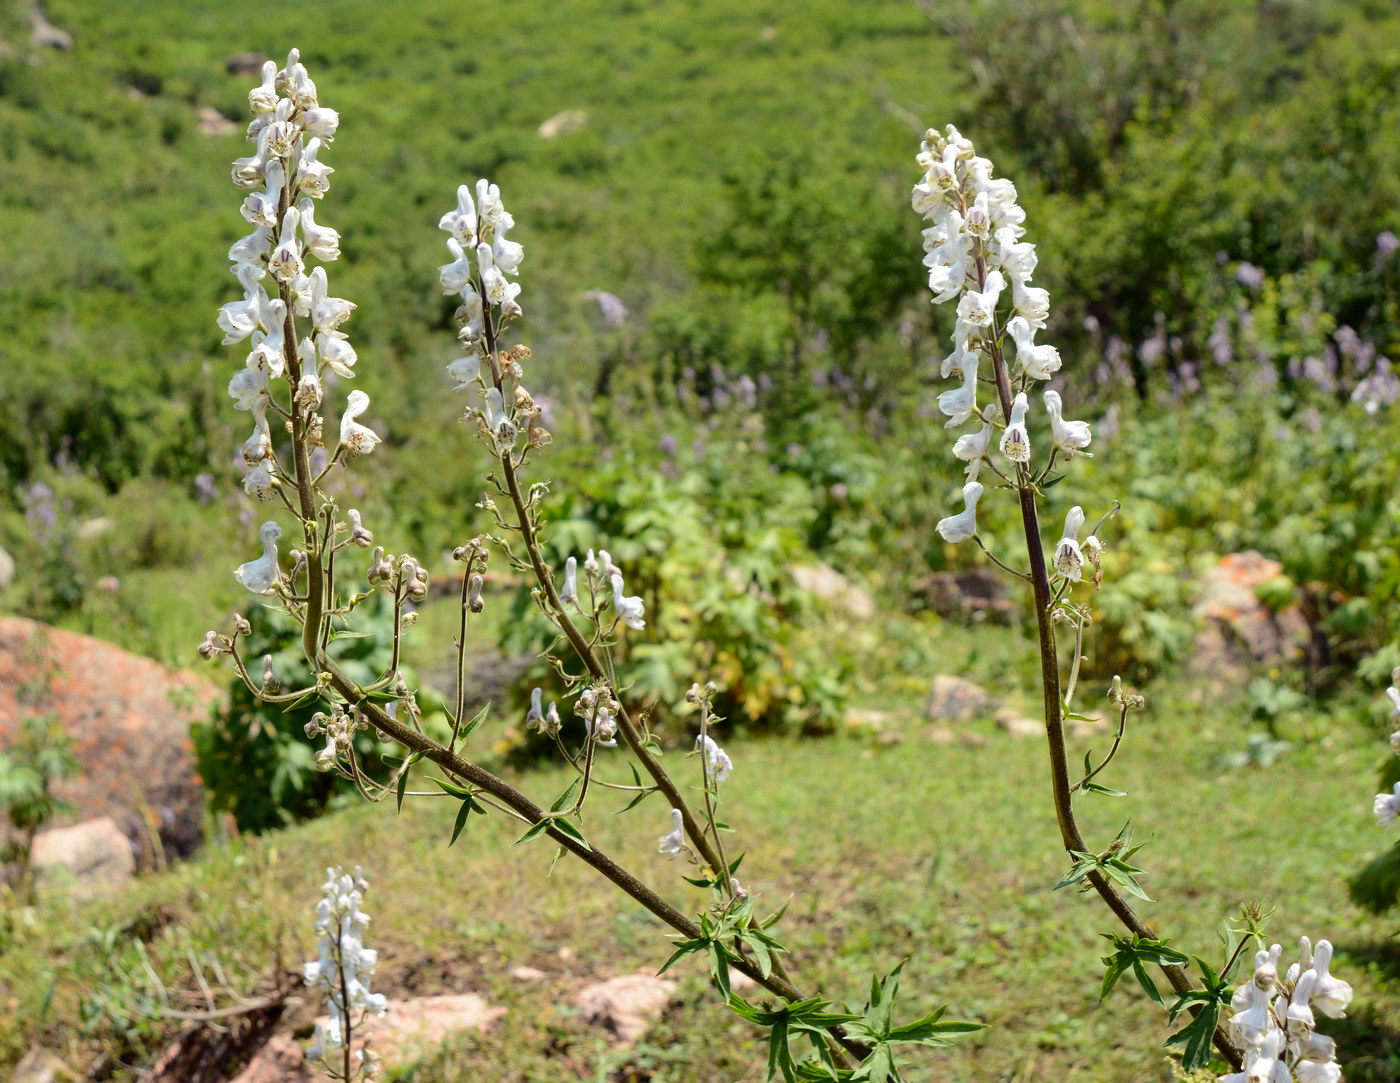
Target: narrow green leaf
[[399, 790], [536, 830], [461, 821], [564, 799], [450, 788], [474, 723], [565, 827]]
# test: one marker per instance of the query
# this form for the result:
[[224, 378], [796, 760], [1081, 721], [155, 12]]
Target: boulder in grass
[[409, 1030], [565, 123], [1239, 631], [89, 854], [953, 699], [830, 585], [129, 718], [625, 1006]]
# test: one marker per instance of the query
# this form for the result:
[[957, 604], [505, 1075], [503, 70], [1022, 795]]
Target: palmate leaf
[[1196, 1037], [1130, 955]]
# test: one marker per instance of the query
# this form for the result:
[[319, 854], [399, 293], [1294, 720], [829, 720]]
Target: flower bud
[[474, 599], [241, 625], [270, 682], [211, 646], [358, 534]]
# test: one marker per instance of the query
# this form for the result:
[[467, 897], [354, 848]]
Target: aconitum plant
[[293, 330], [976, 255]]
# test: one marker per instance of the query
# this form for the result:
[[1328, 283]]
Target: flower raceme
[[283, 374], [975, 256], [341, 971], [1275, 1018]]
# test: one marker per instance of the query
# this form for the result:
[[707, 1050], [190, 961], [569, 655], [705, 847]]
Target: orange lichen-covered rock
[[129, 718]]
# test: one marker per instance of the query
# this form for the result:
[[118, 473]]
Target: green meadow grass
[[942, 855]]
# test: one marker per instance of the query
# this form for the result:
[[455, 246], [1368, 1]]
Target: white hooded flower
[[569, 592], [320, 122], [960, 527], [464, 371], [629, 609], [327, 313], [260, 208], [313, 176], [258, 482], [356, 439], [1069, 559], [972, 447], [1039, 362], [456, 276], [321, 241], [258, 446], [494, 218], [1031, 303], [1387, 806], [247, 387], [498, 291], [1331, 995], [675, 841], [461, 222], [717, 760], [534, 717], [263, 99], [239, 319], [503, 430], [961, 403], [285, 263], [1015, 441], [261, 575], [1069, 436], [977, 309]]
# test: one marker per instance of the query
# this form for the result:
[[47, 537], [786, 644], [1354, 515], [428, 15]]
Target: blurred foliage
[[40, 755], [1214, 189], [709, 543]]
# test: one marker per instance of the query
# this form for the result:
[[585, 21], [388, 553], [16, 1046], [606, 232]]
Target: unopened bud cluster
[[338, 728], [342, 971], [975, 255], [1275, 1018]]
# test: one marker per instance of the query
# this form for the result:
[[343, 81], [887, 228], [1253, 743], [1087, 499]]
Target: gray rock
[[827, 583], [90, 853], [953, 699], [46, 35], [1018, 725], [565, 123], [40, 1066], [979, 594], [627, 1006]]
